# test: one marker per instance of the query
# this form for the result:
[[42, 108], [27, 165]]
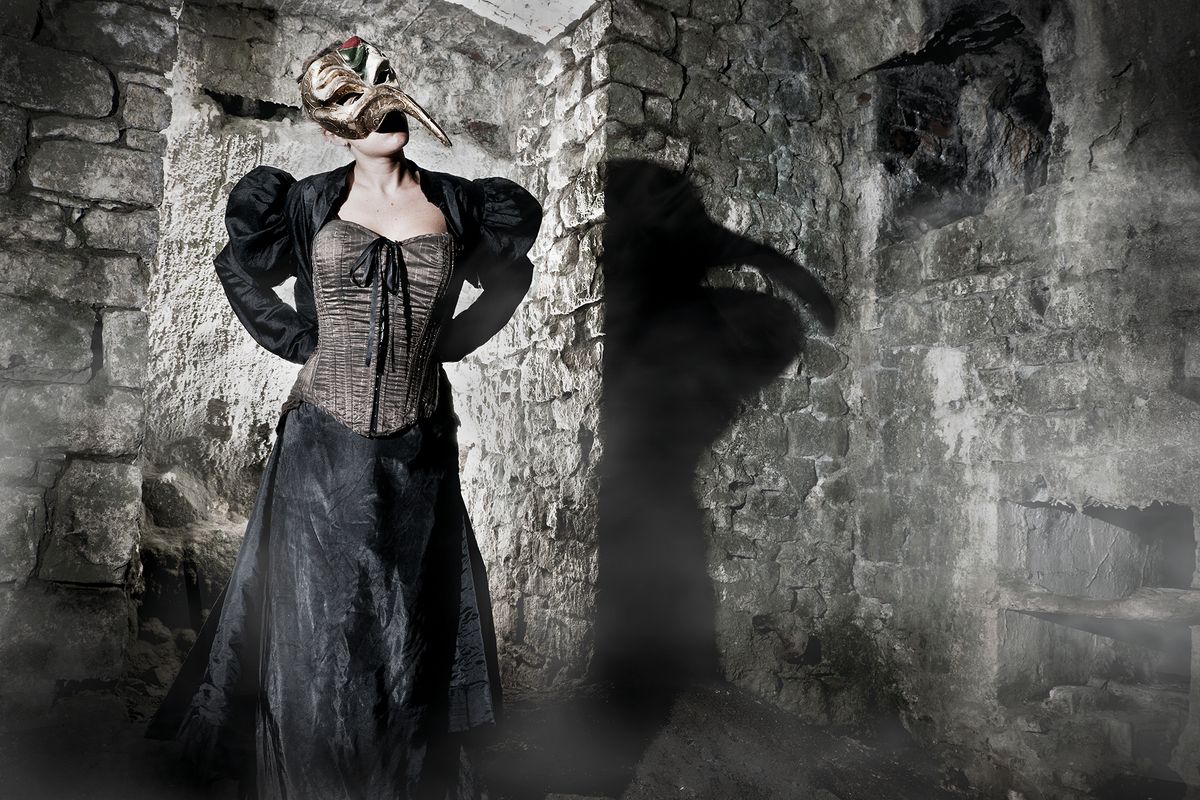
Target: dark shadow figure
[[680, 357]]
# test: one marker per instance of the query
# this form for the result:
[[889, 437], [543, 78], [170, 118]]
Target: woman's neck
[[383, 174]]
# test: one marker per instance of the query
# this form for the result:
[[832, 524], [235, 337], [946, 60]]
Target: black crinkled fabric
[[353, 643]]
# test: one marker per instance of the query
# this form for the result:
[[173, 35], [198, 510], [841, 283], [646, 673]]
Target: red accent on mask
[[353, 41]]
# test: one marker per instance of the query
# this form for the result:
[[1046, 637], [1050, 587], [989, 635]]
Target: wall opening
[[964, 118], [1095, 633]]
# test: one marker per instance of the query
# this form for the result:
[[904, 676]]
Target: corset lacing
[[381, 265]]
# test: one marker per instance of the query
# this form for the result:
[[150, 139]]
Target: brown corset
[[383, 302]]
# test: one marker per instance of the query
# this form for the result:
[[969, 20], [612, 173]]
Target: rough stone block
[[78, 418], [812, 437], [13, 123], [126, 347], [91, 629], [827, 399], [645, 24], [963, 320], [1053, 348], [46, 79], [95, 513], [659, 110], [951, 251], [22, 522], [146, 108], [17, 468], [98, 131], [174, 498], [21, 18], [33, 272], [716, 11], [46, 339], [132, 231], [147, 141], [183, 565], [115, 33], [821, 359], [29, 219], [1060, 387], [700, 48], [709, 103], [797, 97], [625, 104], [1063, 551], [786, 394], [97, 172], [635, 65], [679, 7]]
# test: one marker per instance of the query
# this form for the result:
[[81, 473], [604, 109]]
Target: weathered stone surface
[[131, 231], [174, 498], [13, 123], [91, 626], [86, 419], [45, 339], [22, 523], [101, 131], [22, 16], [148, 141], [16, 469], [97, 172], [146, 107], [636, 66], [95, 512], [115, 33], [187, 566], [108, 280], [624, 104], [28, 219], [645, 24], [46, 79], [126, 347]]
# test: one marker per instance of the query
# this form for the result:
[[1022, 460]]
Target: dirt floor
[[712, 742]]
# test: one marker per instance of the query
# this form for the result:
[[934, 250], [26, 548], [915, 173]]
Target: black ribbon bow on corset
[[381, 266]]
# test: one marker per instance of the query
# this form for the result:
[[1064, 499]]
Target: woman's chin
[[384, 144]]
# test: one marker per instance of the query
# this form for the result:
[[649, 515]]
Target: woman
[[352, 652]]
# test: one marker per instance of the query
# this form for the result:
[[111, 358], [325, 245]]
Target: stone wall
[[735, 97], [1023, 213], [82, 104], [531, 447], [999, 425]]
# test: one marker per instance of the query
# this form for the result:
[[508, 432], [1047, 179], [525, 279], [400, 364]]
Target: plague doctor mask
[[348, 89]]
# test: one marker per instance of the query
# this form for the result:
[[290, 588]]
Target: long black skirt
[[352, 652]]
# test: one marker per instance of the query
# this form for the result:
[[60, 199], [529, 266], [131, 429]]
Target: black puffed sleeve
[[508, 218], [260, 256]]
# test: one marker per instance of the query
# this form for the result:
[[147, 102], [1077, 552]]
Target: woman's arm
[[258, 257], [484, 318], [509, 219]]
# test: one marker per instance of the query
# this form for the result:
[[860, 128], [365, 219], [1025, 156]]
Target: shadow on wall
[[679, 359]]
